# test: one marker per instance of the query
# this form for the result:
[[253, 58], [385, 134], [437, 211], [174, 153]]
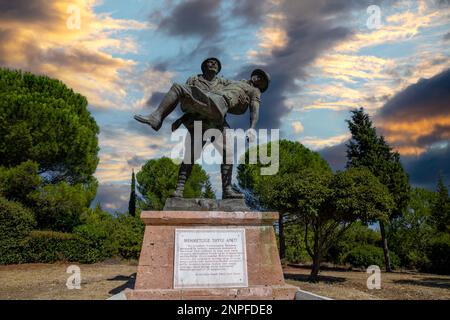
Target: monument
[[203, 248]]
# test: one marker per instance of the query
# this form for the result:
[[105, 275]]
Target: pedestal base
[[285, 292], [155, 276]]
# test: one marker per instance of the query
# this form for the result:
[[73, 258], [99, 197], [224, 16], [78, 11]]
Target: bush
[[120, 236], [16, 222], [357, 235], [129, 235], [367, 255], [438, 254], [59, 207], [17, 183], [295, 244], [51, 246]]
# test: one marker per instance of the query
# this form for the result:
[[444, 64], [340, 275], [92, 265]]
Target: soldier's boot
[[227, 190], [183, 175], [167, 105]]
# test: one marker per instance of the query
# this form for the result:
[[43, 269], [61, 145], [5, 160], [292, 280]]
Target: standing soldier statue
[[208, 98]]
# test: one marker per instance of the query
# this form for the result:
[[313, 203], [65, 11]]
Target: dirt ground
[[352, 285], [102, 280]]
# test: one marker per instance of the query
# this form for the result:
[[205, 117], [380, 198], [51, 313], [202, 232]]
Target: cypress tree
[[132, 203]]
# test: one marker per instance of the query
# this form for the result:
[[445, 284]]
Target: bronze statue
[[208, 98]]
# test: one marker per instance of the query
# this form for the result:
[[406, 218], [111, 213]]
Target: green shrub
[[295, 244], [51, 246], [59, 207], [129, 235], [16, 222], [357, 235], [119, 236], [367, 255], [438, 253]]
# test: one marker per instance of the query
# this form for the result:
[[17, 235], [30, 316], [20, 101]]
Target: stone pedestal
[[155, 276]]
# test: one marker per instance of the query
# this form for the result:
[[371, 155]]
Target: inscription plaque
[[206, 258]]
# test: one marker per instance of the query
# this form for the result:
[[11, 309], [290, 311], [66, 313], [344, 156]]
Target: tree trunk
[[387, 259], [281, 236], [316, 259]]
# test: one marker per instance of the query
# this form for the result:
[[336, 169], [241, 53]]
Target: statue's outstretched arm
[[254, 114]]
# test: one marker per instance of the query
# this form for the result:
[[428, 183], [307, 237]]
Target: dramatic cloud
[[193, 18], [293, 35], [424, 170], [252, 13], [419, 116], [37, 37]]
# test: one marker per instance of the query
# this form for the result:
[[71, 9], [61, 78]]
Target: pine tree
[[209, 191], [440, 210], [367, 149], [132, 203]]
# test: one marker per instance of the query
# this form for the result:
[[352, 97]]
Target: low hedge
[[16, 222], [51, 246]]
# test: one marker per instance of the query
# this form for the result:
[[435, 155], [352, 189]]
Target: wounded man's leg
[[167, 105]]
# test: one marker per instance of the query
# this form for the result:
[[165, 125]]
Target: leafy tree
[[356, 195], [132, 203], [268, 190], [44, 121], [157, 181], [209, 191], [411, 233], [367, 149], [440, 210]]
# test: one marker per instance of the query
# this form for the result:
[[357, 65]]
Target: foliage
[[358, 194], [17, 183], [208, 193], [322, 203], [367, 149], [358, 234], [279, 191], [44, 121], [440, 211], [410, 234], [16, 222], [158, 178], [295, 244], [59, 207], [438, 253], [293, 157], [364, 256], [132, 202], [51, 246], [115, 236]]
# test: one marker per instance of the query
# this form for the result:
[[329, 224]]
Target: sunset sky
[[324, 58]]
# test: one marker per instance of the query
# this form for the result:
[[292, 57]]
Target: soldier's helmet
[[263, 75], [211, 58]]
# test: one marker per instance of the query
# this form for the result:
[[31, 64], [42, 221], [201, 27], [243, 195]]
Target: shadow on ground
[[443, 283], [322, 267], [130, 280], [305, 278]]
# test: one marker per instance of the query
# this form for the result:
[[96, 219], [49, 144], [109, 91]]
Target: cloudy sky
[[325, 57]]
